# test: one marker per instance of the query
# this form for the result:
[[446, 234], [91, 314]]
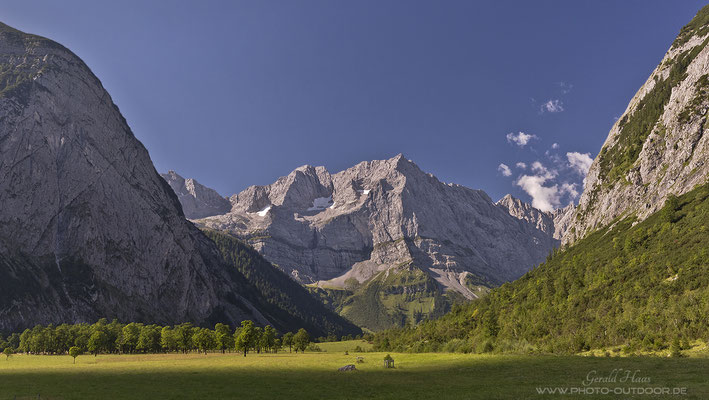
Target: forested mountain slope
[[638, 285], [288, 305], [630, 274]]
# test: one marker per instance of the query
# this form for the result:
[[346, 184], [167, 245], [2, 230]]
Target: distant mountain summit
[[197, 201], [554, 223], [388, 224]]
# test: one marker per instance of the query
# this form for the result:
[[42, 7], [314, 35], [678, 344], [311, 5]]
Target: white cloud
[[521, 165], [520, 139], [541, 169], [580, 162], [504, 170], [543, 187], [570, 189], [565, 87], [554, 158], [555, 146], [552, 106], [545, 198]]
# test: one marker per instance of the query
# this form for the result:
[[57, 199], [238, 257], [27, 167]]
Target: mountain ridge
[[350, 230], [658, 147]]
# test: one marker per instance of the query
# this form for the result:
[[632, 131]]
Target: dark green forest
[[640, 286], [279, 296]]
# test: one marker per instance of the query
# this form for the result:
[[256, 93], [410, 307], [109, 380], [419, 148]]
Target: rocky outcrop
[[197, 201], [659, 145], [377, 215], [563, 217], [524, 211], [88, 229], [553, 223]]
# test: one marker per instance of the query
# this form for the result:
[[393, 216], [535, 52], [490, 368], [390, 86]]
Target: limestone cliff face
[[88, 229], [378, 215], [659, 146], [198, 201], [552, 223]]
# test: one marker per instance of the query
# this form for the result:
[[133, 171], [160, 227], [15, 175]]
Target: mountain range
[[383, 242], [89, 229]]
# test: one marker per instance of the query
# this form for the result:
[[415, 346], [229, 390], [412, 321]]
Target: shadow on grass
[[424, 377]]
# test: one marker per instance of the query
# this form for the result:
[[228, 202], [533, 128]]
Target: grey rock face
[[524, 211], [197, 201], [563, 218], [88, 229], [552, 223], [673, 157], [379, 214]]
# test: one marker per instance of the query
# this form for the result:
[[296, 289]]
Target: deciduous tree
[[224, 337], [246, 336], [74, 352], [301, 340], [288, 341]]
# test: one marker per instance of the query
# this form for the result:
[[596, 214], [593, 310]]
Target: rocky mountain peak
[[318, 226], [554, 223], [88, 229], [659, 145], [198, 201], [384, 221], [543, 221]]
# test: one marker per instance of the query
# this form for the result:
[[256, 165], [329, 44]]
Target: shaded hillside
[[285, 302], [88, 229]]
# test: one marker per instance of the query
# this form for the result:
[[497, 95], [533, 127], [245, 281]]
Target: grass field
[[346, 345], [315, 376]]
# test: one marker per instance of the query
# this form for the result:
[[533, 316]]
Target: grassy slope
[[392, 298], [314, 376], [284, 301], [638, 286]]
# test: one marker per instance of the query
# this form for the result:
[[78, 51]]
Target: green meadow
[[314, 375]]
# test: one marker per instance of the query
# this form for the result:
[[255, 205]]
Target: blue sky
[[235, 93]]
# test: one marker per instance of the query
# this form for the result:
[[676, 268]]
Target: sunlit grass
[[315, 375], [346, 345]]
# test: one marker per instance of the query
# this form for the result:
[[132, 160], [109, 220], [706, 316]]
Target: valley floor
[[315, 376]]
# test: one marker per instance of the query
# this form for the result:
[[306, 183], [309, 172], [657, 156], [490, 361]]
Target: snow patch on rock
[[321, 203]]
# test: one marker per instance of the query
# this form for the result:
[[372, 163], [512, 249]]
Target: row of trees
[[114, 337]]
